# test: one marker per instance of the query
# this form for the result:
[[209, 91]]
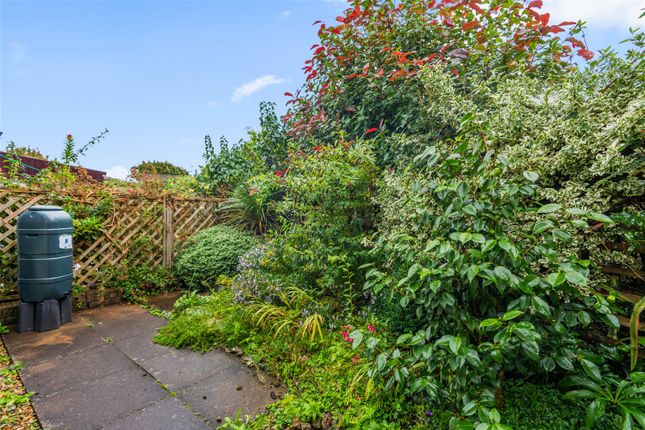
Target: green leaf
[[469, 210], [579, 394], [357, 337], [548, 364], [494, 416], [531, 176], [542, 226], [637, 377], [490, 244], [556, 278], [454, 344], [541, 306], [600, 217], [564, 363], [503, 273], [404, 301], [550, 208], [470, 408], [532, 350], [634, 324], [472, 272], [490, 322], [512, 315], [576, 278], [584, 318], [595, 411], [591, 370], [403, 338], [576, 211], [381, 359]]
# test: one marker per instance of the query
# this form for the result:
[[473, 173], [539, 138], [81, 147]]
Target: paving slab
[[92, 405], [166, 414], [181, 368], [77, 368], [138, 348], [103, 371], [233, 391], [36, 348]]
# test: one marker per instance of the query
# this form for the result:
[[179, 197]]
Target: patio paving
[[102, 371]]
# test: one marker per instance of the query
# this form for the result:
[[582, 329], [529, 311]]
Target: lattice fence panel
[[143, 230], [190, 216]]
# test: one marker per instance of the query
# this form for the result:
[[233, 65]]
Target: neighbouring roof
[[37, 164]]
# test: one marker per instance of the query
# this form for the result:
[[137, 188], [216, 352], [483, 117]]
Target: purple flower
[[428, 413]]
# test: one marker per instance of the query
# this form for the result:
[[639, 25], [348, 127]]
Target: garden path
[[102, 371]]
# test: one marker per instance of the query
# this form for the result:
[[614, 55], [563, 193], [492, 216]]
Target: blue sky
[[162, 74]]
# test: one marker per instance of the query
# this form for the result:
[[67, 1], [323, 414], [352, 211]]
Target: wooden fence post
[[168, 230]]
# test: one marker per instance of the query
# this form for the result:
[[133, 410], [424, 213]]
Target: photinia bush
[[361, 78]]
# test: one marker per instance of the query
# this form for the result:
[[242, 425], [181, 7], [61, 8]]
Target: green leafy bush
[[211, 253], [484, 266], [160, 168], [324, 214], [530, 406]]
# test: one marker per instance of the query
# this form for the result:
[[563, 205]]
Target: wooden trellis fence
[[144, 230]]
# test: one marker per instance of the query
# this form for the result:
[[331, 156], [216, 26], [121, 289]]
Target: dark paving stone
[[181, 368], [33, 348], [93, 404], [74, 369], [217, 396], [140, 348], [124, 326], [167, 414]]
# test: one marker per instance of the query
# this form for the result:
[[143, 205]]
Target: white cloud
[[18, 52], [254, 86], [286, 13], [597, 13], [118, 172]]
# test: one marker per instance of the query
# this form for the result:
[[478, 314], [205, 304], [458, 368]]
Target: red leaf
[[544, 18], [575, 42], [476, 7], [586, 54], [567, 23], [288, 94], [470, 25], [316, 22], [351, 76], [371, 130], [535, 4], [553, 29], [379, 73]]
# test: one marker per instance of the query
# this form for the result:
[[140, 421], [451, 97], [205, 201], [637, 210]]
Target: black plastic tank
[[45, 264]]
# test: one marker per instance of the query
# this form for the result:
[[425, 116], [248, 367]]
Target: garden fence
[[139, 230]]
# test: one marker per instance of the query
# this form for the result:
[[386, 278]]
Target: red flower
[[278, 173], [346, 337], [371, 328], [355, 359], [371, 130]]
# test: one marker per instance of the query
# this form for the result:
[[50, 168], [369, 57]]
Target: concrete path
[[102, 371]]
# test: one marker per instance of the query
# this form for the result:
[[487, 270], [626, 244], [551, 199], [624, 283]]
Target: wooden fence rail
[[143, 230]]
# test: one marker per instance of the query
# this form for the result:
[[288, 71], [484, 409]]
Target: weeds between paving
[[16, 411]]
